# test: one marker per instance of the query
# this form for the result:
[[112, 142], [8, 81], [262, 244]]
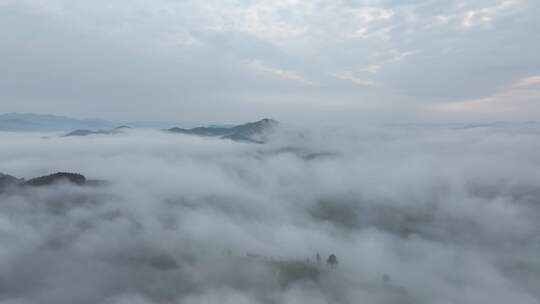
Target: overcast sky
[[235, 60]]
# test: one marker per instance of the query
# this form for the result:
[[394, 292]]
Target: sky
[[232, 61]]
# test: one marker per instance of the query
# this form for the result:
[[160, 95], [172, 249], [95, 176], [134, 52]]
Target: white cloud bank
[[450, 216]]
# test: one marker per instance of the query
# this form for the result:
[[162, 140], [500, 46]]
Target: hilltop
[[254, 132]]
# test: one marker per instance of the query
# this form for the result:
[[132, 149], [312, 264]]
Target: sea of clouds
[[414, 214]]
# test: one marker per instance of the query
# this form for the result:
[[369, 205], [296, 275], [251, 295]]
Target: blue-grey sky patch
[[233, 60]]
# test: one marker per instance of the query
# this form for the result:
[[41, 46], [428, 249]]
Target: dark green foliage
[[332, 260]]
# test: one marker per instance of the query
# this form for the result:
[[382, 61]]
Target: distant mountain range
[[41, 122], [85, 132], [254, 132]]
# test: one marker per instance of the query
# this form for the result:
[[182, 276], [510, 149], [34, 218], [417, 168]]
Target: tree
[[332, 260], [318, 257]]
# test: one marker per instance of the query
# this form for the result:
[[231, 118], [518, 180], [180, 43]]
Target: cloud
[[348, 76], [481, 17], [193, 220], [510, 103], [278, 72], [527, 82]]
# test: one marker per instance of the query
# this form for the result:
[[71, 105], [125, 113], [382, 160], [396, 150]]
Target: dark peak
[[268, 120], [47, 180], [2, 175], [176, 129], [249, 132], [264, 122], [7, 180], [80, 132], [84, 132], [257, 127], [11, 182]]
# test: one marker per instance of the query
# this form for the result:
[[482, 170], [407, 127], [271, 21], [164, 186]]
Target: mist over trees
[[269, 152], [378, 215]]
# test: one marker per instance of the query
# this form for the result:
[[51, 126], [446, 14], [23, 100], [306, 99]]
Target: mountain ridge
[[11, 182], [253, 132], [28, 122], [86, 132]]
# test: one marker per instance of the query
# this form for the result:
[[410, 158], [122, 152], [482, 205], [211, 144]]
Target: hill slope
[[85, 132], [255, 132]]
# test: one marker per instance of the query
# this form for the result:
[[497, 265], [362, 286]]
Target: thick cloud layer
[[413, 214]]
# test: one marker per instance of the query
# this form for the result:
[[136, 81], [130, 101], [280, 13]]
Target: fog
[[414, 214]]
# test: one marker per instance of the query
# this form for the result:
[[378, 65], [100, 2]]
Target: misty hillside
[[38, 122], [8, 182], [84, 132], [269, 152], [48, 180], [254, 132]]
